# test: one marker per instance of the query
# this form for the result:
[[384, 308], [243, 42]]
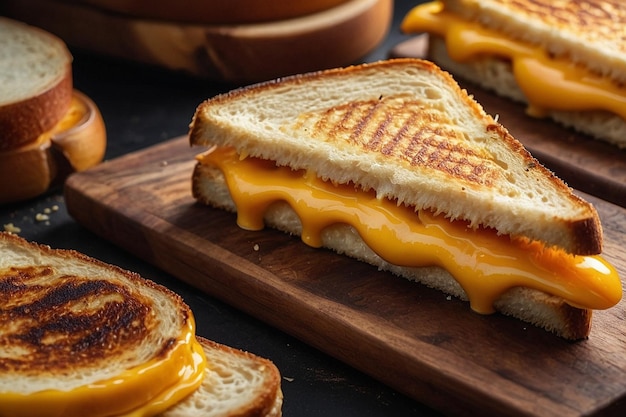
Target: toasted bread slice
[[588, 32], [236, 383], [405, 129], [532, 306], [495, 74], [589, 45], [68, 321], [35, 82]]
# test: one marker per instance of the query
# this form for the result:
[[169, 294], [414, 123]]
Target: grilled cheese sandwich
[[486, 44], [80, 337], [485, 264], [389, 177]]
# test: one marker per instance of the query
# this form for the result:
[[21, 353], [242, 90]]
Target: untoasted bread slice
[[35, 82], [405, 129], [236, 383]]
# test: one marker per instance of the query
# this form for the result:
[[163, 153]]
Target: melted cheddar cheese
[[484, 263], [143, 391], [548, 83]]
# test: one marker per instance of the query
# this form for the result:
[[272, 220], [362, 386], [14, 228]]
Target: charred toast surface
[[65, 323]]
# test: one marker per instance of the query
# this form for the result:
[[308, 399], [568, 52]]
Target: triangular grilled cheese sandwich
[[83, 338], [565, 60], [394, 164]]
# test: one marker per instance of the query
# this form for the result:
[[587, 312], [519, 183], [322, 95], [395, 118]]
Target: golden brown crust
[[401, 143], [22, 122], [37, 83], [549, 312], [30, 170], [215, 11], [586, 231]]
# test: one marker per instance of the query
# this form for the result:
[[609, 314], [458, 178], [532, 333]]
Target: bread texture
[[405, 129], [588, 32], [236, 383], [495, 74], [35, 82], [77, 142], [114, 318], [68, 320], [535, 307]]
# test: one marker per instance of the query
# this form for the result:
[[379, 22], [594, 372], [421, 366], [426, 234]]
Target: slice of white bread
[[47, 129], [540, 309], [35, 82], [495, 74], [405, 129], [236, 384], [102, 320], [77, 142]]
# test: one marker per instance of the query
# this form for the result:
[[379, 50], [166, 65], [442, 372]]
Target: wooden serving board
[[416, 340], [584, 163]]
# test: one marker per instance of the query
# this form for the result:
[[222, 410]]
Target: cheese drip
[[484, 263], [143, 391], [548, 83]]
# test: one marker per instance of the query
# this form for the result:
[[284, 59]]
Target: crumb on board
[[11, 228], [256, 247], [42, 217]]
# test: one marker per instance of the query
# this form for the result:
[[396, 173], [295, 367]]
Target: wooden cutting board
[[585, 164], [414, 339]]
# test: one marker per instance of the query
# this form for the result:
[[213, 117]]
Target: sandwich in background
[[565, 60], [237, 42], [47, 128], [84, 338], [393, 164]]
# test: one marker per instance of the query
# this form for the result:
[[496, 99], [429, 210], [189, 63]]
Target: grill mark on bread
[[72, 323], [404, 129], [589, 32], [590, 14]]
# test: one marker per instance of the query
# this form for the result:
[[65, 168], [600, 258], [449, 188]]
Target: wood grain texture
[[410, 337], [585, 164]]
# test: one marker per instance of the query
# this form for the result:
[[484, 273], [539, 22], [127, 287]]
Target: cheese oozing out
[[548, 83], [484, 263], [142, 391]]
